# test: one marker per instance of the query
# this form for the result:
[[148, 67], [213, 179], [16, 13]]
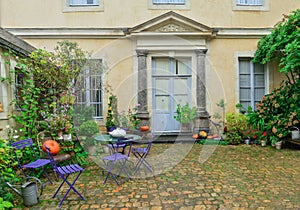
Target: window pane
[[258, 94], [88, 88], [84, 2], [162, 86], [244, 80], [251, 81], [183, 66], [244, 67], [249, 2], [162, 66], [168, 1], [181, 86], [162, 102], [259, 80], [245, 94]]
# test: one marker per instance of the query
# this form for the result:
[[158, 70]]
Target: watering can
[[29, 191], [295, 133]]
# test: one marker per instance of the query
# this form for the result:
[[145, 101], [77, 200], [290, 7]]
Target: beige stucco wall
[[120, 13], [118, 51]]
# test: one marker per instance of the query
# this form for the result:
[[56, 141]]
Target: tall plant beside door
[[185, 115]]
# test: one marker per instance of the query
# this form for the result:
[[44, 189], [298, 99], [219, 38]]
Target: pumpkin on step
[[144, 128], [52, 145]]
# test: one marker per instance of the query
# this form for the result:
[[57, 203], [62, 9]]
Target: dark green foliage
[[236, 128], [82, 114], [88, 128], [8, 168], [185, 114], [283, 46], [279, 111]]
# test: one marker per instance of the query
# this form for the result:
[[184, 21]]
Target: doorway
[[171, 79]]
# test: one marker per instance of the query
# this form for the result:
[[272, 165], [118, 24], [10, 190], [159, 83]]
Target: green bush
[[5, 204], [185, 114], [278, 111], [237, 126], [8, 168], [88, 128]]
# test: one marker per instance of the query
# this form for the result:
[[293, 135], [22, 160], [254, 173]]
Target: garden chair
[[121, 147], [141, 154], [64, 172], [37, 163], [117, 159]]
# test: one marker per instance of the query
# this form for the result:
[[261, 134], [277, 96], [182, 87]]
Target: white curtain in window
[[168, 1], [251, 82], [249, 2], [83, 2]]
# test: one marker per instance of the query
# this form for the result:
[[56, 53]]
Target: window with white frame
[[169, 2], [251, 5], [249, 2], [88, 89], [84, 3], [252, 82]]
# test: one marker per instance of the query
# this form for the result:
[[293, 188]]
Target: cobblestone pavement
[[229, 177]]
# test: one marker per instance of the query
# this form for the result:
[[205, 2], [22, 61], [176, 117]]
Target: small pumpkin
[[52, 145], [144, 128], [203, 134]]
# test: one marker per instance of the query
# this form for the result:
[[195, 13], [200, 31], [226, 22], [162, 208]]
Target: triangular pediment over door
[[172, 23], [168, 47]]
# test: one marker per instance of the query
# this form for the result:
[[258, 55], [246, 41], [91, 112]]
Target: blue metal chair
[[117, 159], [141, 154], [64, 172], [37, 163]]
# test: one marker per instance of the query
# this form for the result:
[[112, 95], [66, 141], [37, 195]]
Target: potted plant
[[112, 113], [87, 130], [185, 114]]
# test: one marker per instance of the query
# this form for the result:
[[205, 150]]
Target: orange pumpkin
[[144, 128], [195, 136], [52, 145]]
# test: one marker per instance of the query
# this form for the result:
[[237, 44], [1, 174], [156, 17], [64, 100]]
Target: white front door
[[171, 78]]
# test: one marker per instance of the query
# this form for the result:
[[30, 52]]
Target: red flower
[[264, 133], [254, 136]]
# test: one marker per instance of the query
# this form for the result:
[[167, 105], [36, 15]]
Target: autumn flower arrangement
[[278, 112]]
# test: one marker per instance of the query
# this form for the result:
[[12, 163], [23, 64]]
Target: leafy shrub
[[278, 111], [185, 114], [8, 168], [237, 126], [88, 128], [82, 114], [5, 204]]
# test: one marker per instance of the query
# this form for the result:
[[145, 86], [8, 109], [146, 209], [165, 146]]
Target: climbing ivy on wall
[[283, 46]]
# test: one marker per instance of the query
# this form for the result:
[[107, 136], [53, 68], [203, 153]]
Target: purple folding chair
[[141, 153], [115, 159], [64, 172], [38, 163]]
